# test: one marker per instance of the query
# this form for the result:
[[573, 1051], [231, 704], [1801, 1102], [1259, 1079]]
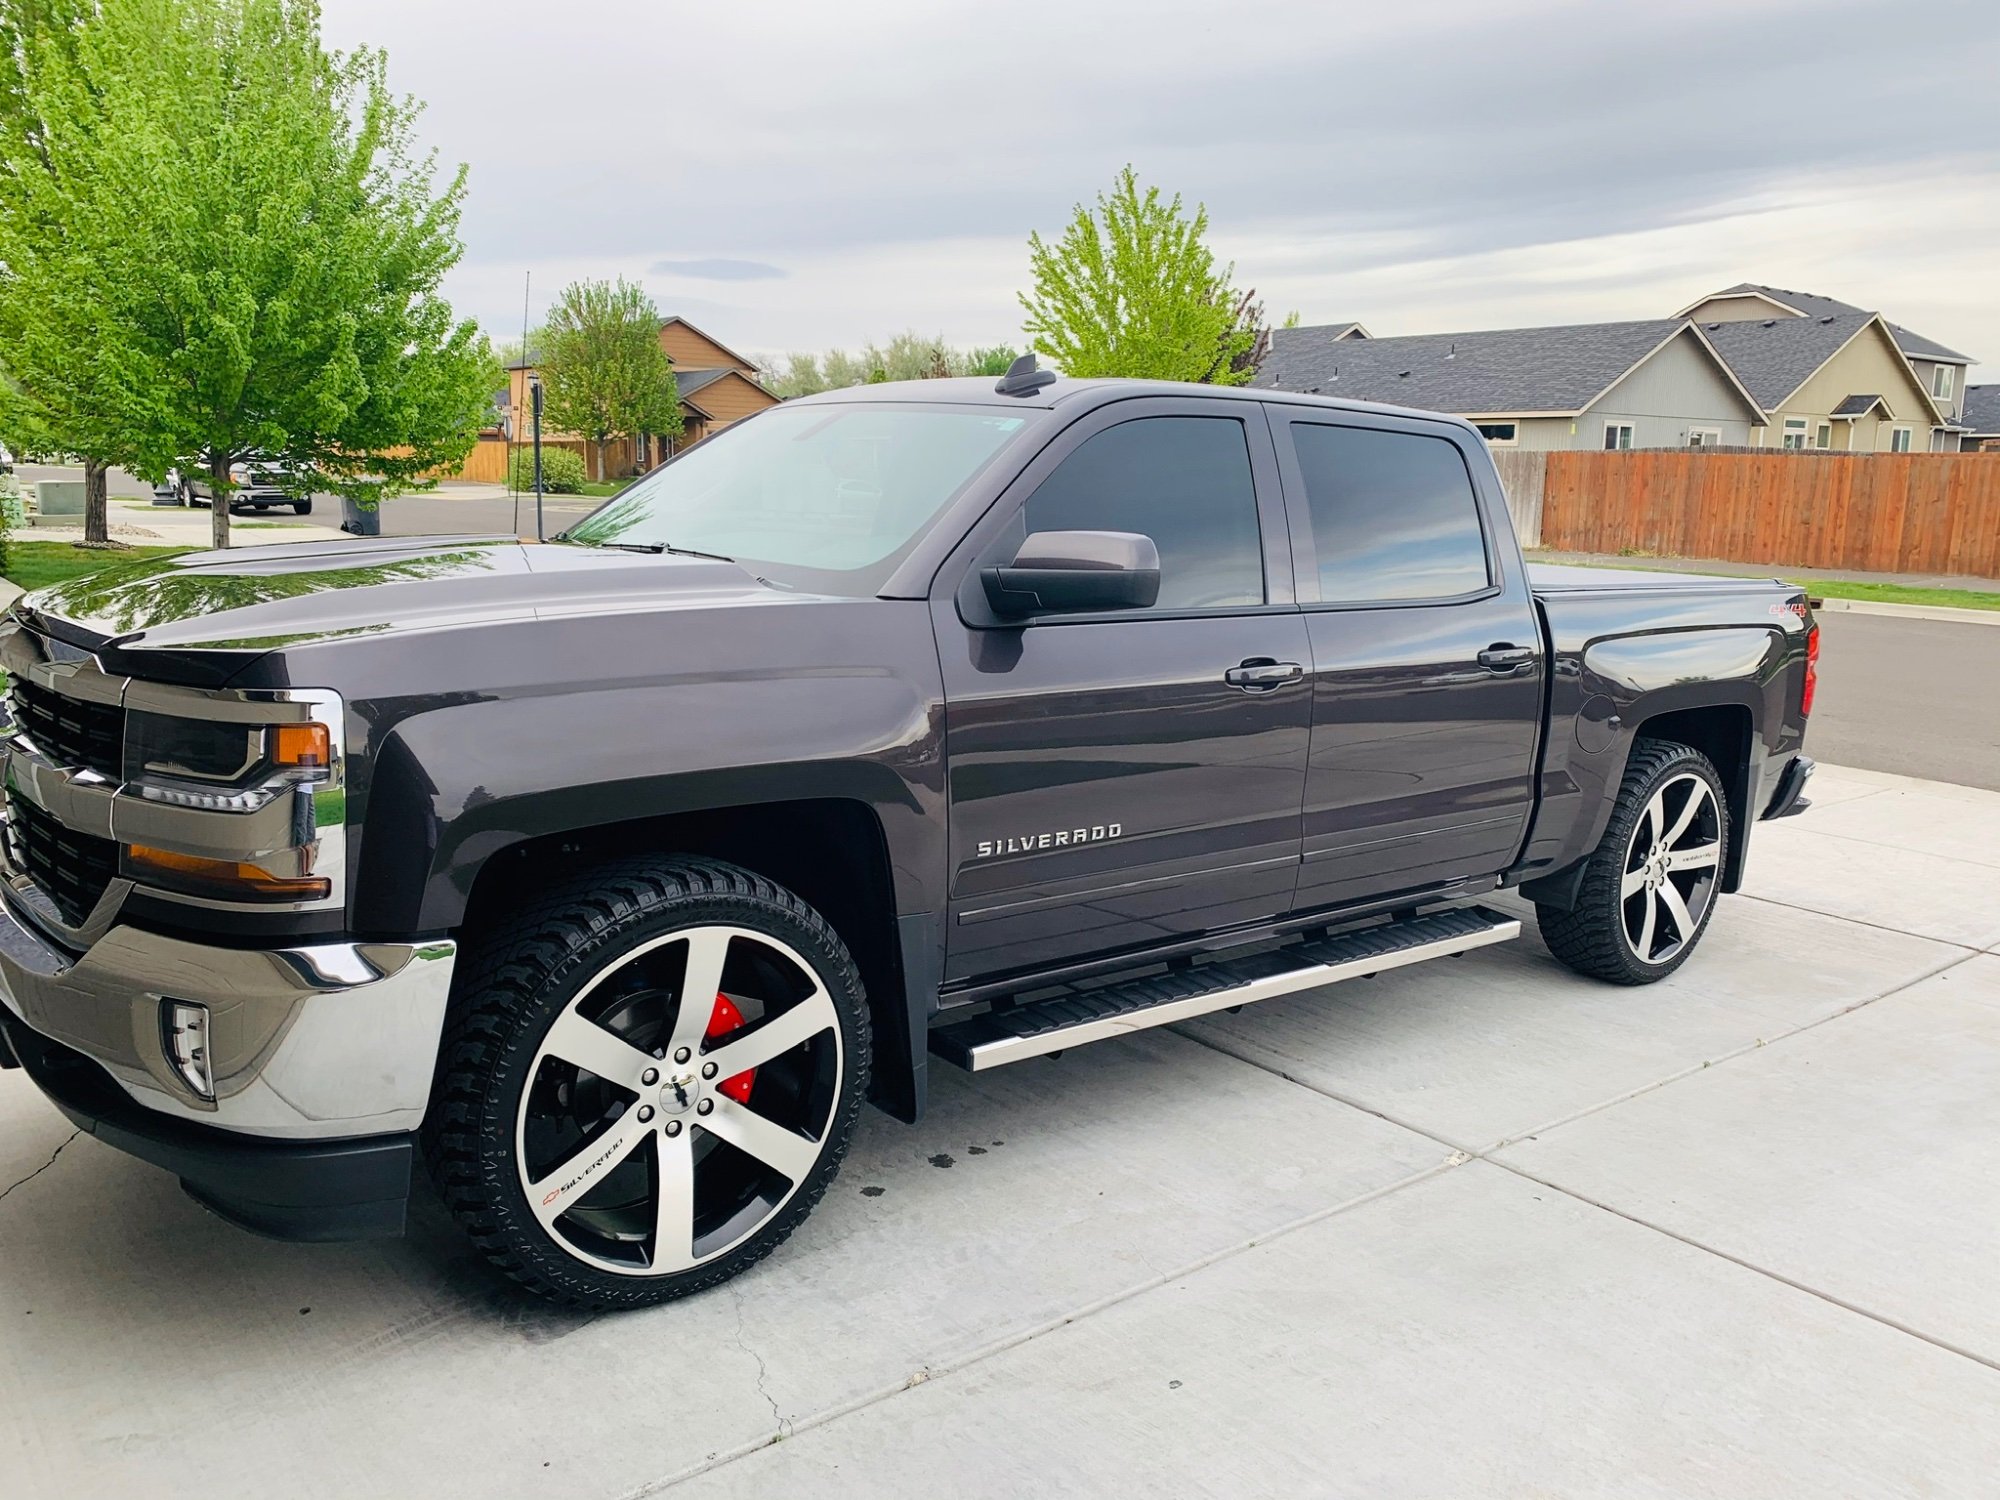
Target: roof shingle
[[1510, 370]]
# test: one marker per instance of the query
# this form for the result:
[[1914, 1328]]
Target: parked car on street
[[943, 721], [261, 484]]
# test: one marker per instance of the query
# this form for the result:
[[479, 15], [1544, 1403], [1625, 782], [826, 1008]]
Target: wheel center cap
[[679, 1092]]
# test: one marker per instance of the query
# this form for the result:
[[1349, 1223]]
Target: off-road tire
[[1590, 937], [516, 977]]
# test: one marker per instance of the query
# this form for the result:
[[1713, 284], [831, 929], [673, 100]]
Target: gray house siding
[[1676, 390]]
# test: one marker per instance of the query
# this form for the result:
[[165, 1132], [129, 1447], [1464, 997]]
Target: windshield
[[828, 498]]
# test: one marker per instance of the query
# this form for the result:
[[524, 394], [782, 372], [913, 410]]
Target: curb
[[1909, 611]]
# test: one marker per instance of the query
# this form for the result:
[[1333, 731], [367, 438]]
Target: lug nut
[[645, 1113], [704, 1107], [708, 1070], [673, 1127], [681, 1055], [650, 1076]]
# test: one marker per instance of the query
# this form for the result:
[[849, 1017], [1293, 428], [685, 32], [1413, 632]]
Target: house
[[716, 387], [1655, 383], [1981, 417], [1833, 375]]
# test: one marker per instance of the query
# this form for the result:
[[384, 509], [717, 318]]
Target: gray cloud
[[719, 270], [1452, 128]]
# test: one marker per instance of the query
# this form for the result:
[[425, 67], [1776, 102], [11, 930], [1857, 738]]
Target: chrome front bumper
[[312, 1042]]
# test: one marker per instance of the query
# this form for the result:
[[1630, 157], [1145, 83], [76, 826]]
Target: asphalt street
[[1914, 697]]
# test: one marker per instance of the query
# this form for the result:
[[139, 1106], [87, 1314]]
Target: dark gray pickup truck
[[939, 721]]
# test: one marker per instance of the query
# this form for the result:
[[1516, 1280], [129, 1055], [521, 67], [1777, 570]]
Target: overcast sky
[[797, 174]]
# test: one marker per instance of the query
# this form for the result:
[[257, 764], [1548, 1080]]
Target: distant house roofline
[[673, 318]]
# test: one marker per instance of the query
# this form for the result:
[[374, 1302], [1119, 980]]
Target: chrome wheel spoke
[[1654, 823], [801, 1023], [1670, 898], [1699, 857], [1643, 943], [1697, 795], [708, 951], [556, 1192], [1632, 884], [578, 1040], [673, 1203], [784, 1151]]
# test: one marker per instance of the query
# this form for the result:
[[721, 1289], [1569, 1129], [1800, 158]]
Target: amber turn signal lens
[[306, 746], [222, 877]]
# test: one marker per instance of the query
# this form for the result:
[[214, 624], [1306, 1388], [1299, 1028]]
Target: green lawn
[[1900, 593], [35, 565], [598, 490]]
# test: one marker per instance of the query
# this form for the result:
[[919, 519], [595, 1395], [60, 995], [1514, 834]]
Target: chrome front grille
[[71, 868], [73, 732]]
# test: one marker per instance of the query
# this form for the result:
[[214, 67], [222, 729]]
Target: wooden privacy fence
[[1879, 512]]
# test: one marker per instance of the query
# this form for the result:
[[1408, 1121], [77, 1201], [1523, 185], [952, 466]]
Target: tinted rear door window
[[1393, 514], [1183, 481]]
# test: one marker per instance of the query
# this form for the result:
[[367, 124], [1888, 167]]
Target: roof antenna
[[1454, 350], [1023, 379]]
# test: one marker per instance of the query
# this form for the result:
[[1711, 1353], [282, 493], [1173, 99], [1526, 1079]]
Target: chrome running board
[[1015, 1033]]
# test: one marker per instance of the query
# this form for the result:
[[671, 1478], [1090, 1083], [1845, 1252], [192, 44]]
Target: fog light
[[184, 1026]]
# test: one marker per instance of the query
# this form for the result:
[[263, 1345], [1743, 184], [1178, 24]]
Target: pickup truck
[[938, 722]]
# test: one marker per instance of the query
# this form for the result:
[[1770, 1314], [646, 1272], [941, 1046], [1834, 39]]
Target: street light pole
[[535, 395]]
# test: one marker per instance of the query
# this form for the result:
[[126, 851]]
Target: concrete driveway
[[1472, 1229]]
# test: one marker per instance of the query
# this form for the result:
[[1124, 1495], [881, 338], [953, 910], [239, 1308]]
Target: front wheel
[[1651, 884], [649, 1082]]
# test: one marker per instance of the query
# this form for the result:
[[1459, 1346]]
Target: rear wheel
[[1651, 885], [649, 1083]]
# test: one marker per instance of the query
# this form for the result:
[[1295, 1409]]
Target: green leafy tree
[[603, 370], [224, 244], [49, 420], [1132, 289], [907, 356]]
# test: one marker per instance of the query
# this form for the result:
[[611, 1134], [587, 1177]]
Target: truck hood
[[258, 599]]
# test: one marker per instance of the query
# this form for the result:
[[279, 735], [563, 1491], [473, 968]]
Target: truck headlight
[[222, 767]]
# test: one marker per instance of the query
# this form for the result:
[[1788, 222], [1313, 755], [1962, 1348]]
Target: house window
[[1941, 378], [1795, 432], [1617, 436], [1899, 440], [1500, 434], [1824, 437], [1704, 437]]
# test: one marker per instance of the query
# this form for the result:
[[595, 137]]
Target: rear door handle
[[1505, 658], [1260, 674]]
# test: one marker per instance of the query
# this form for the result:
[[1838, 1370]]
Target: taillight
[[1812, 672]]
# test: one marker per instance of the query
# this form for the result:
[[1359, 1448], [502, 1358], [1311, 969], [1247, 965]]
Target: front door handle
[[1506, 659], [1260, 674]]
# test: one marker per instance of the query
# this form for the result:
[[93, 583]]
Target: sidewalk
[[144, 524]]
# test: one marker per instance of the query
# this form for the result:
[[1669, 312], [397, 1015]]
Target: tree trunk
[[600, 460], [96, 526], [218, 500]]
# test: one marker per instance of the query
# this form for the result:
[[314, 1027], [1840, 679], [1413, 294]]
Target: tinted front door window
[[1183, 481]]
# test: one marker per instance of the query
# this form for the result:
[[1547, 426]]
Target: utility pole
[[535, 395]]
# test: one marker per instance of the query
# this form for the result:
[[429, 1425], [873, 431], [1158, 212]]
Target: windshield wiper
[[656, 548]]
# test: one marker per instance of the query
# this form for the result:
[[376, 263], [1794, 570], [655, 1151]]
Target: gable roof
[[706, 338], [687, 382], [1859, 406], [1322, 332], [1773, 357], [1812, 305], [1982, 410], [1557, 372]]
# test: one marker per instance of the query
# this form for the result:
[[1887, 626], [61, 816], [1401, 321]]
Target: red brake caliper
[[728, 1018]]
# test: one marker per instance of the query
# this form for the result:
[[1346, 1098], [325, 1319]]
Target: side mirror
[[1056, 572]]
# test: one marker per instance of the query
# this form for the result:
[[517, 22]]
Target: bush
[[12, 513], [562, 470]]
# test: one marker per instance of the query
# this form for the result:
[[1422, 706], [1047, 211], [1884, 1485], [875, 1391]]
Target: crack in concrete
[[43, 1167], [784, 1423]]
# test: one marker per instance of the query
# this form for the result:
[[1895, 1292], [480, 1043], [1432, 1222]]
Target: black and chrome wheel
[[1651, 884], [650, 1083]]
